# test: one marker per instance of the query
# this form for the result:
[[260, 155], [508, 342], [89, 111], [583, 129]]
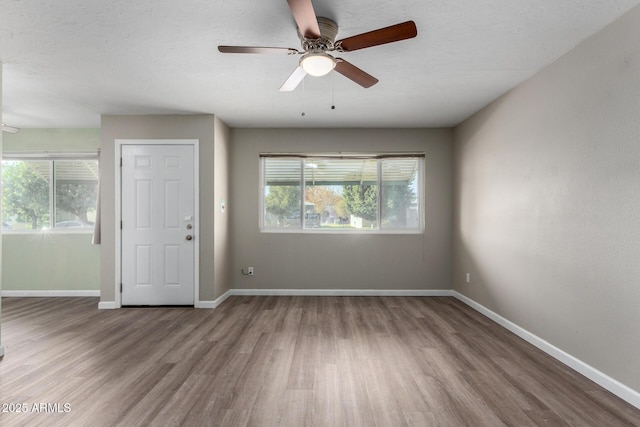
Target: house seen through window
[[342, 193], [42, 193]]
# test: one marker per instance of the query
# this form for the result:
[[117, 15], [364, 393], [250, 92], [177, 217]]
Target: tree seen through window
[[27, 186]]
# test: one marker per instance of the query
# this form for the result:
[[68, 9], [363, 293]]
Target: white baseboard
[[107, 305], [343, 292], [49, 294], [111, 305], [614, 386], [216, 302], [321, 292]]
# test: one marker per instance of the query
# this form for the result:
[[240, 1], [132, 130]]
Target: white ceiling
[[66, 62]]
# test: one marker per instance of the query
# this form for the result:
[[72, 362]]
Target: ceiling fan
[[10, 129], [318, 36]]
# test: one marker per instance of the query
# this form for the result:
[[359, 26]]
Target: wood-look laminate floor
[[291, 361]]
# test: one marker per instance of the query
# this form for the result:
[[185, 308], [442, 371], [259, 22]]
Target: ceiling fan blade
[[305, 17], [394, 33], [354, 73], [258, 49], [9, 129], [294, 80]]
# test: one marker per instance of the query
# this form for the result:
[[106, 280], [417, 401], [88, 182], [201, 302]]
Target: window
[[342, 193], [41, 193]]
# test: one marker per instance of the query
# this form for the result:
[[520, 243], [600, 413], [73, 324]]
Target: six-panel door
[[158, 233]]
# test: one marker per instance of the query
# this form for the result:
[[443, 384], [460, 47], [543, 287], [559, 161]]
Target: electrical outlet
[[468, 277], [250, 271]]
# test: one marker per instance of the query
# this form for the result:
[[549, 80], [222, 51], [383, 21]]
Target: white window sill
[[334, 232]]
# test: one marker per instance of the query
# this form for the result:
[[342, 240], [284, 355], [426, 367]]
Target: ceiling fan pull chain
[[333, 90], [303, 85]]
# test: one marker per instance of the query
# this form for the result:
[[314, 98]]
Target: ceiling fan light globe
[[317, 64]]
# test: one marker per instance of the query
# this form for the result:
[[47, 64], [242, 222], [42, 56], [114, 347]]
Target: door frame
[[196, 209]]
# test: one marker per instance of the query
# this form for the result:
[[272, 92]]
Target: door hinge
[[120, 161], [120, 287], [120, 225]]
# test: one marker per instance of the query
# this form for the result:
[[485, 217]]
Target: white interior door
[[158, 235]]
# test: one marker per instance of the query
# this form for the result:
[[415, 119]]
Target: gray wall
[[76, 140], [222, 223], [547, 203], [68, 259], [313, 261], [201, 127], [1, 346], [50, 262]]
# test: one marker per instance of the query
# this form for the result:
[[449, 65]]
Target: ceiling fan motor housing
[[326, 42]]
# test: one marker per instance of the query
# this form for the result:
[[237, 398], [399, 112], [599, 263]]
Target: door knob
[[189, 237]]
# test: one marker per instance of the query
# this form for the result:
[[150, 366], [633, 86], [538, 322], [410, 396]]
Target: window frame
[[52, 158], [420, 193]]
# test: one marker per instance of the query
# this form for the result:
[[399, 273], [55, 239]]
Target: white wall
[[547, 203], [312, 261]]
